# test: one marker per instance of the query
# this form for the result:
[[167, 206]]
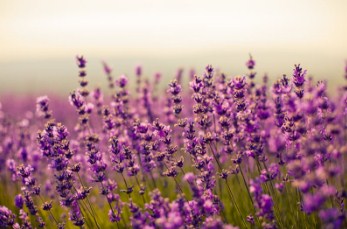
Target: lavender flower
[[6, 217], [299, 80], [19, 201], [241, 152]]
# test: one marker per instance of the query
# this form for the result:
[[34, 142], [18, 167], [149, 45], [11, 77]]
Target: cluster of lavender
[[227, 152]]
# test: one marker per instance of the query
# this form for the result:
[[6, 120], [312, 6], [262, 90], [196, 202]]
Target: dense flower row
[[226, 152]]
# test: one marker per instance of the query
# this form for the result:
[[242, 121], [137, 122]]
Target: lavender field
[[218, 152]]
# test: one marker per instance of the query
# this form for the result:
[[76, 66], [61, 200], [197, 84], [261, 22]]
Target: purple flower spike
[[107, 68], [299, 80], [19, 201], [250, 63], [223, 149], [138, 70], [123, 81], [239, 82], [76, 215], [81, 62], [299, 76], [6, 217]]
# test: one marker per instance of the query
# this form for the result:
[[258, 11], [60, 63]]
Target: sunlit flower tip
[[175, 88], [76, 167], [299, 76], [250, 63], [142, 128], [189, 177], [107, 68], [47, 206], [123, 81], [239, 82], [138, 70], [76, 99], [42, 100], [42, 106], [250, 219], [81, 62], [89, 108], [209, 69], [224, 174], [180, 162]]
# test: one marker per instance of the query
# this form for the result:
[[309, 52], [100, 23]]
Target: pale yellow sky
[[178, 33]]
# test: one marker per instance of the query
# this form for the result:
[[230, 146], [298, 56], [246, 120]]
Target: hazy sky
[[38, 39]]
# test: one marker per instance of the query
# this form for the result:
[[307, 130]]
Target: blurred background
[[40, 39]]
